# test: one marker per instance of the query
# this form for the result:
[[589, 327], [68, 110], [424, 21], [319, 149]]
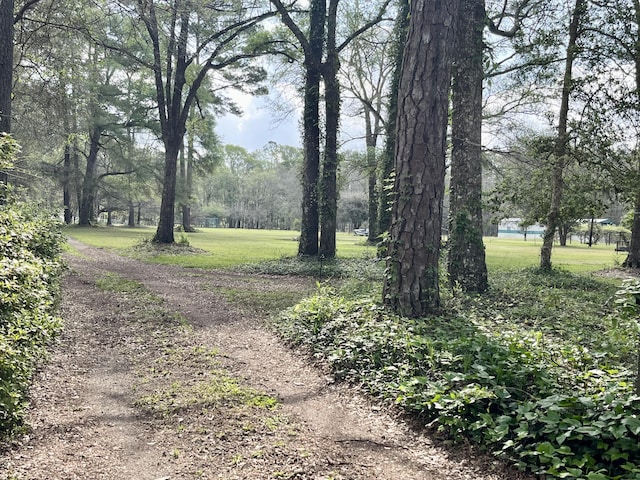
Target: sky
[[259, 124], [263, 122]]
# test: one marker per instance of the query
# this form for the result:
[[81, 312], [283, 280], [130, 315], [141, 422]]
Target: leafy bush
[[531, 371], [30, 244]]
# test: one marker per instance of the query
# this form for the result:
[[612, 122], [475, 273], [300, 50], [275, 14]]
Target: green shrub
[[30, 247]]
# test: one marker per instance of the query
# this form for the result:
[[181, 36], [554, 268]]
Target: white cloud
[[260, 123]]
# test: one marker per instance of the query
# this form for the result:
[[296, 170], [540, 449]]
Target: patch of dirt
[[172, 386]]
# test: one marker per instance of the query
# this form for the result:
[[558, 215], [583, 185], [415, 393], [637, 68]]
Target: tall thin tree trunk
[[387, 164], [560, 147], [371, 141], [466, 261], [310, 222], [6, 74], [411, 286], [66, 185], [329, 184], [77, 180], [6, 63], [633, 256]]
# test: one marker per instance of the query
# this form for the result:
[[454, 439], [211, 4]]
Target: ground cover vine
[[537, 371]]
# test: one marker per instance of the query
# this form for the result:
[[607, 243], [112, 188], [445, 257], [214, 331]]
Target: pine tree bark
[[466, 261], [411, 286]]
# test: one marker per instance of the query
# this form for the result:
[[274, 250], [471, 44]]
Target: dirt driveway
[[172, 381]]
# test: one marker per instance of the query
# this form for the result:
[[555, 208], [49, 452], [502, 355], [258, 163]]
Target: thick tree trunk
[[164, 232], [560, 148], [329, 184], [86, 211], [466, 261], [386, 168], [310, 222], [411, 285]]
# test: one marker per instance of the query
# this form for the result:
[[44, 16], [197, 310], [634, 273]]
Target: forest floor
[[174, 381]]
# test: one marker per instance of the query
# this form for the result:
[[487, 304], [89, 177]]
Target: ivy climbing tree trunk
[[466, 260], [6, 63], [386, 168], [312, 46], [559, 157], [310, 222], [328, 185], [411, 283], [6, 72]]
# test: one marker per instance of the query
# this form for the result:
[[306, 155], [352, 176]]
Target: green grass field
[[231, 247]]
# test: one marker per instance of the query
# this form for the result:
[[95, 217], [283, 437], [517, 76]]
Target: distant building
[[512, 228]]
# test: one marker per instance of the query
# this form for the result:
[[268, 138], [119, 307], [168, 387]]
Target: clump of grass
[[220, 390], [112, 282]]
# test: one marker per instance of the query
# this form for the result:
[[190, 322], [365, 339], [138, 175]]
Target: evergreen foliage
[[30, 266]]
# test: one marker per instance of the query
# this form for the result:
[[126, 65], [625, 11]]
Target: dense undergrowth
[[537, 371], [30, 247]]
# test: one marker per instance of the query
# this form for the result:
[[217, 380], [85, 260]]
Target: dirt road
[[175, 382]]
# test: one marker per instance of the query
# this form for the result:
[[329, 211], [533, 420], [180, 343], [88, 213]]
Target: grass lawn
[[231, 247], [227, 247], [507, 254]]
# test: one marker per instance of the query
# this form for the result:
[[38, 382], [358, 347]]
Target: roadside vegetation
[[30, 267]]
